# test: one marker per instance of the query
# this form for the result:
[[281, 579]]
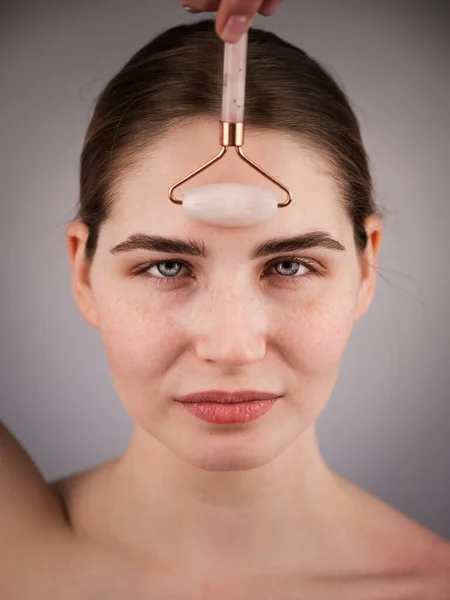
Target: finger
[[200, 5], [234, 17], [269, 7], [243, 12]]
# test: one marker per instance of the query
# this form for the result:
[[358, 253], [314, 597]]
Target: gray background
[[386, 426]]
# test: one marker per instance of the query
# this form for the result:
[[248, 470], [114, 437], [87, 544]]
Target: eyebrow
[[143, 241]]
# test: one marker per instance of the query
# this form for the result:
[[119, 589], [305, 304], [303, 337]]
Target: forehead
[[141, 201]]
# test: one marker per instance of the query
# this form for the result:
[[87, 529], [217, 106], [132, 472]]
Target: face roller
[[231, 204]]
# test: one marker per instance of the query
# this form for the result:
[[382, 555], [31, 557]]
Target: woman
[[242, 510]]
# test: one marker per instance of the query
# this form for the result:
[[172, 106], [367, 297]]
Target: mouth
[[225, 397], [225, 408]]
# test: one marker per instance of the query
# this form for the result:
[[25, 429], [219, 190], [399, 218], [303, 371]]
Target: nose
[[232, 327]]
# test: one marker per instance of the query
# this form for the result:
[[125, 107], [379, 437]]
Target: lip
[[228, 397], [228, 408]]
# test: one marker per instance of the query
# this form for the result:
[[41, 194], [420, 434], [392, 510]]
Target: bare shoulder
[[85, 496], [25, 497], [396, 542], [41, 555], [33, 525]]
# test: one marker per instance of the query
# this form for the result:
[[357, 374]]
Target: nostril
[[229, 350]]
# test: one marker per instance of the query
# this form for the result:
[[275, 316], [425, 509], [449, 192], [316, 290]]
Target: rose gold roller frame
[[232, 122]]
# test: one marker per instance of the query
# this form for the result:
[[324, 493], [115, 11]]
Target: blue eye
[[168, 268], [290, 267]]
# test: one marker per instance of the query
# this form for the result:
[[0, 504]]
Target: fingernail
[[186, 4], [271, 7], [235, 28]]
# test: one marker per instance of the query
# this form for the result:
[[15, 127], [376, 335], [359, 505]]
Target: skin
[[188, 502], [229, 8]]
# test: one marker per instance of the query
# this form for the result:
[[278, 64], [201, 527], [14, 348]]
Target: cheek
[[143, 339], [318, 332], [138, 341]]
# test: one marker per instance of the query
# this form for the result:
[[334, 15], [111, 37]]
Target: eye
[[293, 269], [289, 268], [168, 268]]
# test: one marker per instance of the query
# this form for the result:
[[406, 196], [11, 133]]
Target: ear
[[76, 238], [369, 261]]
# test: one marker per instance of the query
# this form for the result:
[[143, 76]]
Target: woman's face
[[175, 323]]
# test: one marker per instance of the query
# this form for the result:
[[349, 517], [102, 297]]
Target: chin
[[239, 454], [227, 462]]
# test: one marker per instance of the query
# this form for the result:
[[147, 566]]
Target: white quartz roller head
[[230, 204]]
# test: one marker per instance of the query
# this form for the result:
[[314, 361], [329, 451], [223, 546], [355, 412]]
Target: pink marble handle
[[234, 72]]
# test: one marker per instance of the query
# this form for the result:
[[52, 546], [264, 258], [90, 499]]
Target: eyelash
[[313, 271]]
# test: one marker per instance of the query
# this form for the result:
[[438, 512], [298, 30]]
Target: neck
[[276, 513]]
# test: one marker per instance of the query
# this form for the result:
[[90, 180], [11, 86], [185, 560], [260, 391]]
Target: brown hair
[[178, 75]]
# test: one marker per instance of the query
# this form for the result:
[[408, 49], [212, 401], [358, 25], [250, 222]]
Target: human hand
[[234, 17]]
